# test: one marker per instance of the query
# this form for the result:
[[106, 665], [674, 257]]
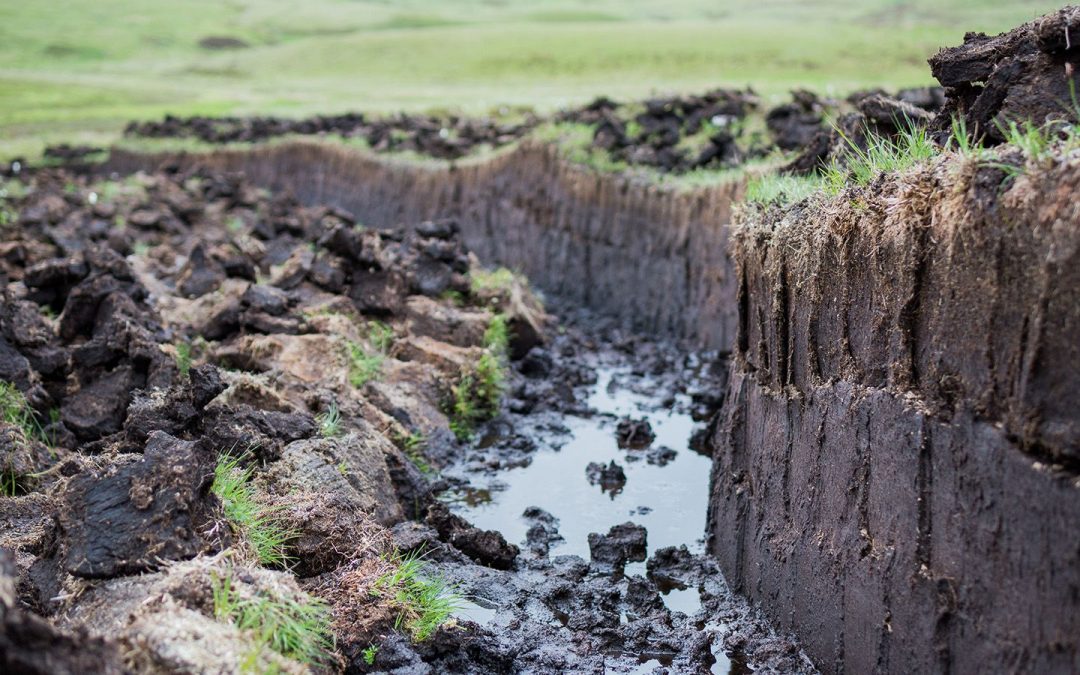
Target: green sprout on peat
[[369, 654], [330, 421]]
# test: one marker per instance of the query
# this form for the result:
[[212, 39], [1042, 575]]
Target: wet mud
[[636, 543]]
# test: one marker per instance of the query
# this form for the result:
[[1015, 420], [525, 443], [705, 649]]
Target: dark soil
[[443, 137], [157, 322], [1029, 73], [675, 134]]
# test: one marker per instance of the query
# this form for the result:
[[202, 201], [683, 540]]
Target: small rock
[[537, 363], [634, 434], [200, 275], [611, 477], [486, 547], [623, 543], [660, 456]]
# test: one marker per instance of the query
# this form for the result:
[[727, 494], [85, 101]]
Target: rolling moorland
[[77, 72]]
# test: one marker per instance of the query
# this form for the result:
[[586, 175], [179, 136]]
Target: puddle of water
[[467, 609], [670, 500], [685, 600], [724, 663]]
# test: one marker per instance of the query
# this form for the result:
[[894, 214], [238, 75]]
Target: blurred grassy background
[[77, 70]]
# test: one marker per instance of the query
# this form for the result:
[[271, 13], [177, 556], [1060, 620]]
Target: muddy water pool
[[669, 500], [666, 492]]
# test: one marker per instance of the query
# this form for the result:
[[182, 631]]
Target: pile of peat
[[442, 137], [721, 128], [176, 346]]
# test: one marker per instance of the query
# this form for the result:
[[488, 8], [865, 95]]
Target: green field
[[77, 70]]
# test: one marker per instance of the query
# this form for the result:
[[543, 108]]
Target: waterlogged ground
[[705, 628], [670, 500]]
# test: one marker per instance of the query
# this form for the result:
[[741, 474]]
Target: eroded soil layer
[[896, 472], [652, 256]]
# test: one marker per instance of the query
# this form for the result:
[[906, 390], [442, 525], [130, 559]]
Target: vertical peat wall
[[896, 475], [652, 256]]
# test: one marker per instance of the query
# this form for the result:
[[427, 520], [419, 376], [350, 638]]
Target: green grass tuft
[[380, 336], [478, 393], [365, 363], [9, 483], [369, 654], [412, 446], [330, 421], [424, 600], [881, 155], [297, 630], [364, 366], [497, 335], [781, 189], [498, 280], [453, 297], [462, 410], [960, 138], [183, 358], [16, 411], [490, 382], [253, 520]]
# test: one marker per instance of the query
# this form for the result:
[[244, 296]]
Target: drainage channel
[[622, 453]]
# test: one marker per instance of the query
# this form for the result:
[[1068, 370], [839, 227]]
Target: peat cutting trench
[[263, 407]]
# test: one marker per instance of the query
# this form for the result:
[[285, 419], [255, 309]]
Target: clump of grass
[[253, 520], [1039, 143], [498, 280], [294, 629], [772, 188], [10, 485], [412, 446], [424, 600], [1036, 142], [380, 336], [575, 141], [960, 139], [364, 366], [881, 155], [497, 335], [16, 410], [330, 421], [365, 363], [10, 190], [453, 297], [490, 382], [369, 654], [477, 394], [183, 358], [462, 410]]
